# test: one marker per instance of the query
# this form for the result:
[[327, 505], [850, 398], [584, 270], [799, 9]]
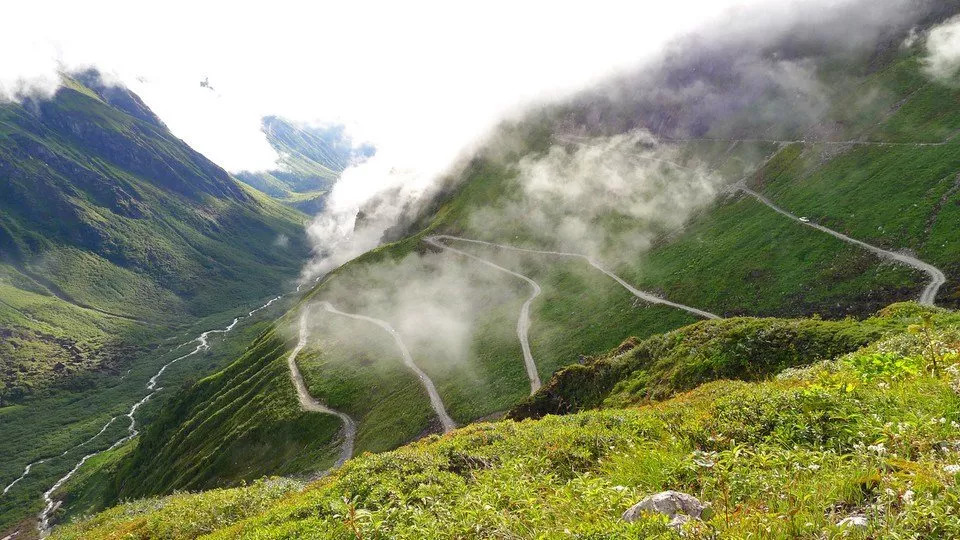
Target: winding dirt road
[[937, 278], [435, 401], [643, 295], [523, 323], [851, 142], [579, 139], [308, 403]]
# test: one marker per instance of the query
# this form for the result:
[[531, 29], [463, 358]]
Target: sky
[[420, 80]]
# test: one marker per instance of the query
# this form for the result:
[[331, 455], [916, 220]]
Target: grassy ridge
[[742, 258], [657, 367]]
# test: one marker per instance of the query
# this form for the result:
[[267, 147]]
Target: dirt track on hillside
[[435, 401]]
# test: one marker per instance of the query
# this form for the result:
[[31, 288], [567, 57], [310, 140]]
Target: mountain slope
[[117, 242], [106, 217], [860, 434]]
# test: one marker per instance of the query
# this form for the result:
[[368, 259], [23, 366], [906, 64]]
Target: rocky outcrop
[[679, 507]]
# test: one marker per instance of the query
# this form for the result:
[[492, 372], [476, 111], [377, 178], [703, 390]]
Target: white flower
[[814, 467], [890, 492], [878, 448], [620, 488], [907, 496], [951, 469]]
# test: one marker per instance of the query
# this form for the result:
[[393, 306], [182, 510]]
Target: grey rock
[[678, 521], [669, 503]]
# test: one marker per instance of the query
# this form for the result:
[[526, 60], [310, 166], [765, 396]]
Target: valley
[[85, 329]]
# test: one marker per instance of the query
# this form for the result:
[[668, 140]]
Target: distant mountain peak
[[311, 160], [116, 95]]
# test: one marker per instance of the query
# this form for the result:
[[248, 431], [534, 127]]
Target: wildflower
[[951, 469], [890, 492], [954, 424], [620, 488], [878, 448], [814, 467], [907, 496]]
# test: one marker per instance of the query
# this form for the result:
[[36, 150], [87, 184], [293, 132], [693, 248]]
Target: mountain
[[311, 160], [565, 268], [109, 224], [117, 240]]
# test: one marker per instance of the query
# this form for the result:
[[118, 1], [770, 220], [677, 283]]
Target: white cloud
[[943, 51], [422, 78], [571, 190]]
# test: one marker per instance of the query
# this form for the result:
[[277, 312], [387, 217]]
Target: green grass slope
[[655, 368], [871, 432], [737, 348]]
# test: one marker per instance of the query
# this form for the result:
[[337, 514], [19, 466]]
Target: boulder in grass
[[858, 521], [679, 507]]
